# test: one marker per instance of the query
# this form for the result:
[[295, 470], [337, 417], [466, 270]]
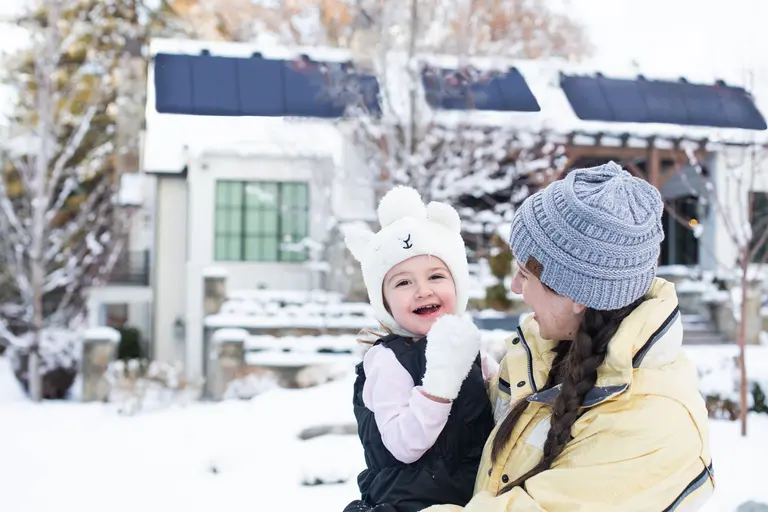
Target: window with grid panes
[[261, 221], [759, 222]]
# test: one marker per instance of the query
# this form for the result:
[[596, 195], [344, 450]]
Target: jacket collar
[[650, 337]]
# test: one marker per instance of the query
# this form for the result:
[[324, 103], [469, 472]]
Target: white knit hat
[[408, 229]]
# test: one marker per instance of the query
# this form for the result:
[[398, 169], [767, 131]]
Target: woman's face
[[558, 316]]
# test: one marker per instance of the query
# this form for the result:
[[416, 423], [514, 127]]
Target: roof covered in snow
[[557, 114], [173, 138]]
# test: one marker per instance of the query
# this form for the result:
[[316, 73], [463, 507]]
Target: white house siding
[[168, 268], [202, 178], [304, 152]]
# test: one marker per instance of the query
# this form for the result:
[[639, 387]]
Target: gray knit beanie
[[597, 234]]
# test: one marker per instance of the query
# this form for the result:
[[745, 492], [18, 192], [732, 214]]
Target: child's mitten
[[452, 346]]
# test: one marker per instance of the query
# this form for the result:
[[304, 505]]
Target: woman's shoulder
[[634, 417]]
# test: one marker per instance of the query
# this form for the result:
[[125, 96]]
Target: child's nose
[[424, 289]]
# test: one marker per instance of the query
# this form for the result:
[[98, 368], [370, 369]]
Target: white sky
[[680, 36], [722, 38]]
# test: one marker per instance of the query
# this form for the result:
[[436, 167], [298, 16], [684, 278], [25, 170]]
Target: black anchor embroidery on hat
[[407, 243]]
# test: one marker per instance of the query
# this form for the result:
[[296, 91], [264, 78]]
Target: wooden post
[[654, 166], [631, 167]]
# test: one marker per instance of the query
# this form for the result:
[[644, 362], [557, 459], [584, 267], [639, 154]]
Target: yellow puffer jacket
[[641, 444]]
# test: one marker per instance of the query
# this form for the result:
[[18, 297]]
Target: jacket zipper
[[529, 356]]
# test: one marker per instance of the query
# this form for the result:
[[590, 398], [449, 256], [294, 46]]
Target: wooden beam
[[631, 167], [626, 153], [572, 158], [667, 174], [653, 165]]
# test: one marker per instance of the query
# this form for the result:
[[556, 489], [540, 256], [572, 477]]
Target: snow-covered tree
[[486, 171], [63, 227], [529, 29]]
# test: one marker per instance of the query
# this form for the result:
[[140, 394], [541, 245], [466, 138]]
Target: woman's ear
[[579, 309]]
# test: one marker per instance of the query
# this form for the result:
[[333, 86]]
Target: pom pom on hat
[[401, 202]]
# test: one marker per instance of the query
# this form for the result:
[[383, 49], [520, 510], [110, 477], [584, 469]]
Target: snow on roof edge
[[244, 50]]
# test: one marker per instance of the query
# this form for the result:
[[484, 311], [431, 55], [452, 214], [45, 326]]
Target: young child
[[420, 400]]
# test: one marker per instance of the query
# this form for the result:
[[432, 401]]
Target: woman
[[609, 417]]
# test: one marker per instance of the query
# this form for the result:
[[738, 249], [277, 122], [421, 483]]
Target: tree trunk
[[34, 376], [414, 75], [45, 108], [742, 335]]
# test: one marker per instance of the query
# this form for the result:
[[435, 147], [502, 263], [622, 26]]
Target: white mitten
[[452, 346]]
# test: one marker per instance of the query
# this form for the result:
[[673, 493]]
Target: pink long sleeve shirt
[[408, 421]]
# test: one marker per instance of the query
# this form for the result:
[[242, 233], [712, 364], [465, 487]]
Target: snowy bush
[[130, 344], [59, 351], [140, 385], [759, 403], [253, 384], [718, 373], [321, 374]]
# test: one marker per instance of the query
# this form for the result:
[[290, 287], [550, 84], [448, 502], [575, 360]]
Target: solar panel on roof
[[702, 103], [255, 86], [664, 101], [738, 105], [215, 86], [260, 86], [588, 101], [469, 89], [516, 94], [173, 83], [625, 100], [305, 92], [597, 98]]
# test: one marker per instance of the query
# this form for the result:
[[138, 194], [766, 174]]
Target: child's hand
[[452, 346]]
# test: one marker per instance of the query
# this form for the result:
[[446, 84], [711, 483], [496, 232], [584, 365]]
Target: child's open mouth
[[427, 310]]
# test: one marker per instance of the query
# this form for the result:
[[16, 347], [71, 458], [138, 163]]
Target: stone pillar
[[226, 360], [753, 320], [99, 350], [725, 323], [215, 290]]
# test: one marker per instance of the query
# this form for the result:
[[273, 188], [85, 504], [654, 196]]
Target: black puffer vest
[[446, 472]]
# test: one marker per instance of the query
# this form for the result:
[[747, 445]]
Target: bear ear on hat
[[444, 214], [400, 202], [357, 237]]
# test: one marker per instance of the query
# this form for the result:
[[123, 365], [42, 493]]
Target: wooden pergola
[[661, 158]]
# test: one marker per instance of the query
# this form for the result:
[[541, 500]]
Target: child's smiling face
[[419, 290]]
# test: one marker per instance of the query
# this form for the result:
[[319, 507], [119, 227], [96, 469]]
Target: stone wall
[[99, 351]]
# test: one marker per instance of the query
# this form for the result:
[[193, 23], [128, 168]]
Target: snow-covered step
[[703, 337]]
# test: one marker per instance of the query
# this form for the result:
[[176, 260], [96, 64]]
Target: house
[[242, 194], [125, 300], [651, 124], [251, 165]]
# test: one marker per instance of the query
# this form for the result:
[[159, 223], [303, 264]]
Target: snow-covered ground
[[241, 455]]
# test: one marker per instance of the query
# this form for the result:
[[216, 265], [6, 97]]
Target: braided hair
[[575, 367]]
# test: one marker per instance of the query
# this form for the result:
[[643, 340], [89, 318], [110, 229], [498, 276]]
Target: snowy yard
[[232, 456]]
